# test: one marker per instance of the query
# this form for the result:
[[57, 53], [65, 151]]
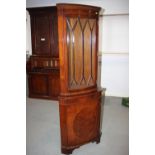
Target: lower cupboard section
[[45, 86], [80, 120]]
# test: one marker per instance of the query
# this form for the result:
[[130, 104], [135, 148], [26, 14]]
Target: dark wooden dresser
[[64, 65], [43, 66]]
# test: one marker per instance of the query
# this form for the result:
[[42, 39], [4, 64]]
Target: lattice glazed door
[[81, 46]]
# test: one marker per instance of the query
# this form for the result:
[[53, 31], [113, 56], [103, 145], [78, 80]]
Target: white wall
[[115, 33], [114, 47], [28, 34], [113, 44]]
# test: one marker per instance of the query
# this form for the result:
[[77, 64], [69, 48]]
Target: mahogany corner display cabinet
[[63, 66]]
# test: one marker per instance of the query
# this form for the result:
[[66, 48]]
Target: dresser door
[[38, 85], [41, 34], [44, 31]]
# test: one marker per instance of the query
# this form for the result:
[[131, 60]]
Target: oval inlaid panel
[[85, 123]]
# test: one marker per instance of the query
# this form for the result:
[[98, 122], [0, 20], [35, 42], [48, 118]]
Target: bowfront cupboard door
[[79, 96]]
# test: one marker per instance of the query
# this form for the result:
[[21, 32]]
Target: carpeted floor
[[43, 129]]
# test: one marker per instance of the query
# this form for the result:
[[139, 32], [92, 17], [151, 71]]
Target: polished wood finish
[[75, 13], [43, 66], [80, 99], [81, 33], [44, 31], [44, 84], [80, 120], [71, 73]]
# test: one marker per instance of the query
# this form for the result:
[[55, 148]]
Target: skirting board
[[111, 95]]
